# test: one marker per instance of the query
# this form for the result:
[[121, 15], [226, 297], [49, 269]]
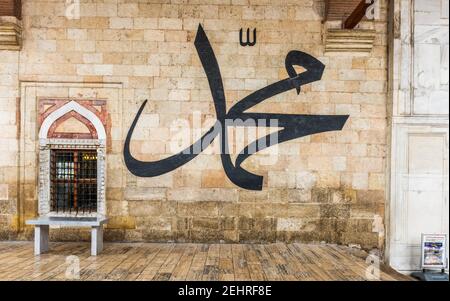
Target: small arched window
[[73, 143]]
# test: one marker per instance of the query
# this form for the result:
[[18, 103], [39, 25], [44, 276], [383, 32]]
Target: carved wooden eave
[[352, 41], [339, 10], [342, 34], [10, 34]]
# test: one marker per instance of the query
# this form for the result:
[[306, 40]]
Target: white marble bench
[[42, 226]]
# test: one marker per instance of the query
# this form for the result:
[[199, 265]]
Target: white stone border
[[67, 108], [404, 123], [47, 144]]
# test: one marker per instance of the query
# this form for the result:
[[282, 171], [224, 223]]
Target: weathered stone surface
[[158, 235], [341, 211], [298, 236], [327, 186], [157, 223], [289, 224], [206, 235], [300, 210], [228, 223], [205, 223], [197, 209], [253, 236], [5, 207], [121, 222], [144, 194]]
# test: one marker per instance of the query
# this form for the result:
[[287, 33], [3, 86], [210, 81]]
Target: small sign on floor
[[434, 258]]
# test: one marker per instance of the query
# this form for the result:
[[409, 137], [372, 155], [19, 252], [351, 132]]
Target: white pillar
[[96, 240], [41, 239]]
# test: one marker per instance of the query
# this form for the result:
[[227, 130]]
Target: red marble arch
[[55, 104], [92, 132]]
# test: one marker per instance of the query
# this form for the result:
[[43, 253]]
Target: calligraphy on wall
[[248, 42], [292, 126]]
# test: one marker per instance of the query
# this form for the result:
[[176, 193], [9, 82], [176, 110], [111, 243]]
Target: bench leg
[[96, 240], [41, 239]]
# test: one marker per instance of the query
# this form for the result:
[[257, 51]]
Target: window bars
[[73, 176]]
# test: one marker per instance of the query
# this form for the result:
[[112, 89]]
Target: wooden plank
[[241, 271], [311, 260], [348, 267], [211, 269], [297, 268], [226, 269], [332, 265], [7, 247], [23, 269], [322, 263], [11, 8], [254, 264], [45, 263], [198, 263], [268, 265], [91, 264], [188, 262], [17, 258], [113, 261], [81, 252], [151, 270], [283, 267], [360, 264], [151, 250], [166, 269], [182, 269], [120, 272], [339, 10]]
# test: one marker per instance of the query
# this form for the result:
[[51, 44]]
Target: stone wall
[[9, 119], [326, 187]]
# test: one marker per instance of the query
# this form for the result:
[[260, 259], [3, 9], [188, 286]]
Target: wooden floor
[[139, 261]]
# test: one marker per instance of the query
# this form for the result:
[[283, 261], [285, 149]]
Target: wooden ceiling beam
[[11, 8], [339, 10], [357, 15]]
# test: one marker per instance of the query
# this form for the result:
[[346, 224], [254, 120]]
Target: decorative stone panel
[[10, 33], [58, 112], [351, 41], [419, 126]]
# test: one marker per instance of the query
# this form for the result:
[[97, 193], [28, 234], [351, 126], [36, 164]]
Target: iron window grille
[[73, 175]]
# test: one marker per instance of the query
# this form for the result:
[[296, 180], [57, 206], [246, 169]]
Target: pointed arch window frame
[[46, 144]]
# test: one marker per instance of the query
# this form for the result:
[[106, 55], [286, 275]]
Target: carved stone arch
[[73, 116], [72, 106], [93, 139]]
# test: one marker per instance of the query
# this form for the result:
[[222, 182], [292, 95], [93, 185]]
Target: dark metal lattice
[[73, 177]]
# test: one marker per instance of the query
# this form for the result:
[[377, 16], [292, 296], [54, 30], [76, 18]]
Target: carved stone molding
[[353, 41], [10, 34]]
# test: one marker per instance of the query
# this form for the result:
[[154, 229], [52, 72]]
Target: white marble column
[[96, 240], [41, 235]]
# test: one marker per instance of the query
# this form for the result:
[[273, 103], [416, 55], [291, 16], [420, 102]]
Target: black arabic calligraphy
[[248, 42], [293, 125]]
